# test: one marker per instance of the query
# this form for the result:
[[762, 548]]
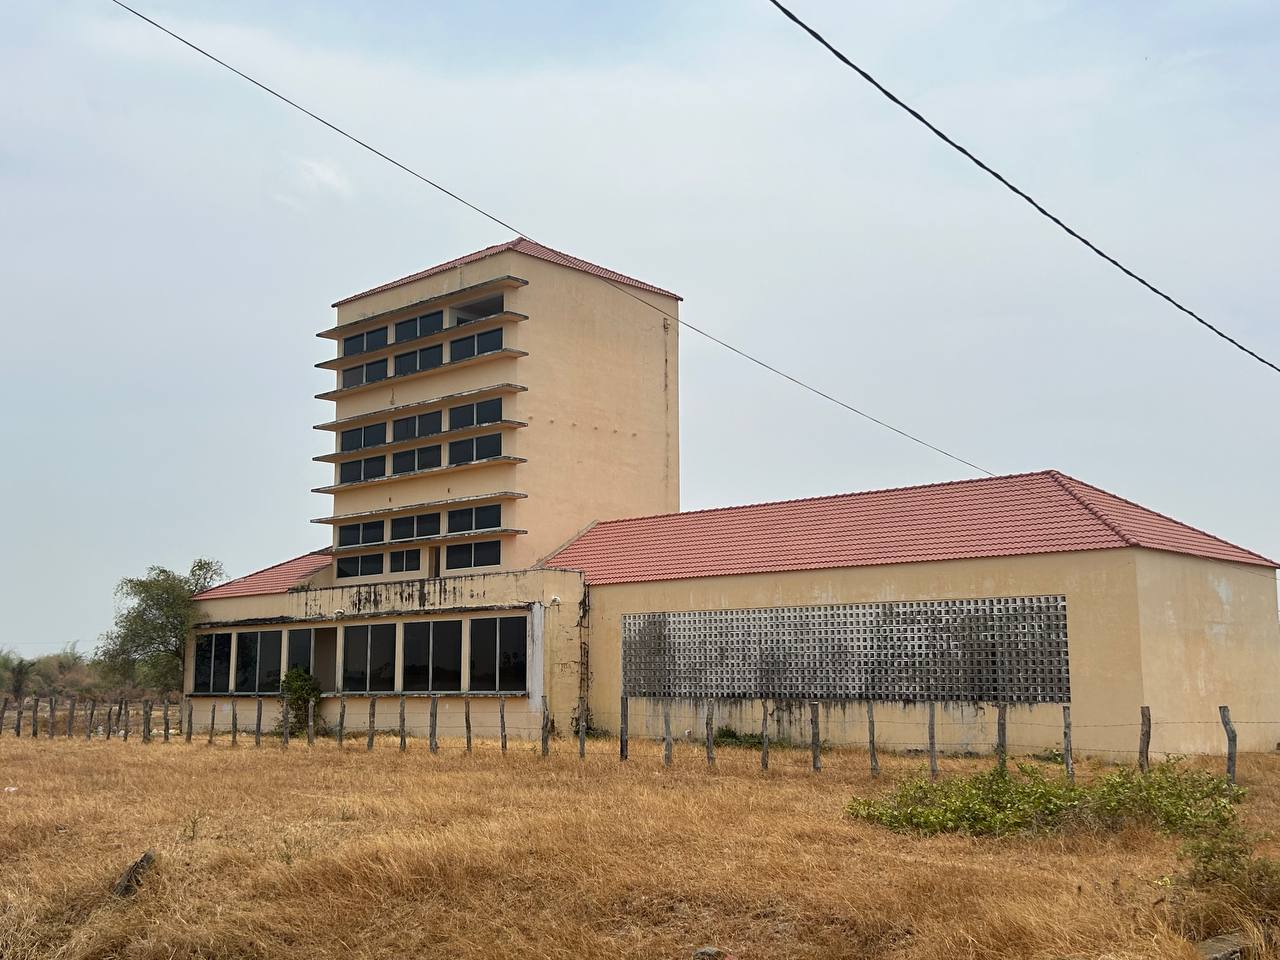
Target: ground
[[319, 853]]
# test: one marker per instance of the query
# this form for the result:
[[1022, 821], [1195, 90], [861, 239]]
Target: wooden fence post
[[213, 719], [502, 723], [88, 726], [815, 743], [432, 742], [373, 719], [17, 724], [311, 722], [146, 721], [191, 709], [165, 719], [1225, 714], [1002, 735], [622, 728], [402, 740], [53, 706], [666, 733], [235, 723], [764, 734], [124, 730], [71, 716], [1068, 762], [1144, 740], [35, 716], [257, 721], [933, 742], [110, 708], [711, 734], [546, 727], [4, 708], [286, 720], [582, 728], [466, 720], [342, 718], [871, 739]]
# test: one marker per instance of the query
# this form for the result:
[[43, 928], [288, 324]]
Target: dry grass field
[[321, 853]]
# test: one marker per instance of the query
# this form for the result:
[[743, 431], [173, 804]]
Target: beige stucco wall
[[1210, 636]]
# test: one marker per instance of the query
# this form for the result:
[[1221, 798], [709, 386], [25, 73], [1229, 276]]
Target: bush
[[301, 688]]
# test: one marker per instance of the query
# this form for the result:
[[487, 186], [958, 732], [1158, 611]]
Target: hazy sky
[[171, 240]]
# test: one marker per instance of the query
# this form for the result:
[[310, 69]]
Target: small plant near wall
[[301, 688]]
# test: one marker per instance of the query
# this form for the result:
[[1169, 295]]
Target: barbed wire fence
[[810, 736]]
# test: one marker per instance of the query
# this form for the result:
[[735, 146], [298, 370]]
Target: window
[[498, 654], [465, 347], [433, 655], [475, 448], [212, 663], [415, 360], [366, 373], [475, 518], [478, 310], [369, 658], [422, 326], [423, 458], [423, 425], [410, 528], [364, 342], [405, 561], [471, 414], [258, 661], [353, 471], [352, 534], [357, 437], [364, 565], [487, 553], [299, 656]]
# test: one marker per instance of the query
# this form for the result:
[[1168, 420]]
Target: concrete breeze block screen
[[992, 650]]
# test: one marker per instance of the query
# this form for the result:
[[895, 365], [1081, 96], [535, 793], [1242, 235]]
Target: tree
[[17, 673], [145, 647]]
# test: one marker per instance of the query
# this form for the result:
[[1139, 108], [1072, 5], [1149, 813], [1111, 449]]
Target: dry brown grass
[[325, 854]]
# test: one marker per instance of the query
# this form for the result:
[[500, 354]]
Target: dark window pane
[[431, 323], [352, 439], [406, 329], [397, 561], [348, 566], [461, 520], [457, 556], [429, 525], [463, 416], [412, 560], [406, 363], [428, 457], [402, 528], [489, 341], [350, 471], [370, 564], [221, 663], [406, 461], [487, 554], [203, 664], [353, 345], [405, 429], [429, 357], [430, 424], [489, 446], [446, 655], [488, 517], [375, 339], [375, 467], [269, 661], [371, 532], [348, 534], [355, 658], [484, 654], [247, 662], [382, 657], [489, 411], [375, 371], [417, 656], [353, 376], [462, 349], [299, 650], [462, 451], [375, 434], [512, 667]]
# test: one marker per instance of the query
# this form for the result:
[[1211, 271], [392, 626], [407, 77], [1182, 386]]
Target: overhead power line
[[1039, 208], [498, 220]]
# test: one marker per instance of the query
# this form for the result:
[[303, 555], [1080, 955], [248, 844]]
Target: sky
[[172, 239]]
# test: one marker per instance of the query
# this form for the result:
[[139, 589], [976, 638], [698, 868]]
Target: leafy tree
[[145, 647], [16, 672]]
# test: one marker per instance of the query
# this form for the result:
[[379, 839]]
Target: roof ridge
[[823, 496], [1061, 478], [254, 573], [1162, 516]]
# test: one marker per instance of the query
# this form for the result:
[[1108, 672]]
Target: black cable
[[916, 114], [484, 213]]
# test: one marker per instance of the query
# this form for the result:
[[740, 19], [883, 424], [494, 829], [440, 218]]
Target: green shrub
[[301, 688]]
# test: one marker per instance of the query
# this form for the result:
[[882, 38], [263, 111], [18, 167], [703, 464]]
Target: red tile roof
[[278, 579], [520, 245], [1044, 512]]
